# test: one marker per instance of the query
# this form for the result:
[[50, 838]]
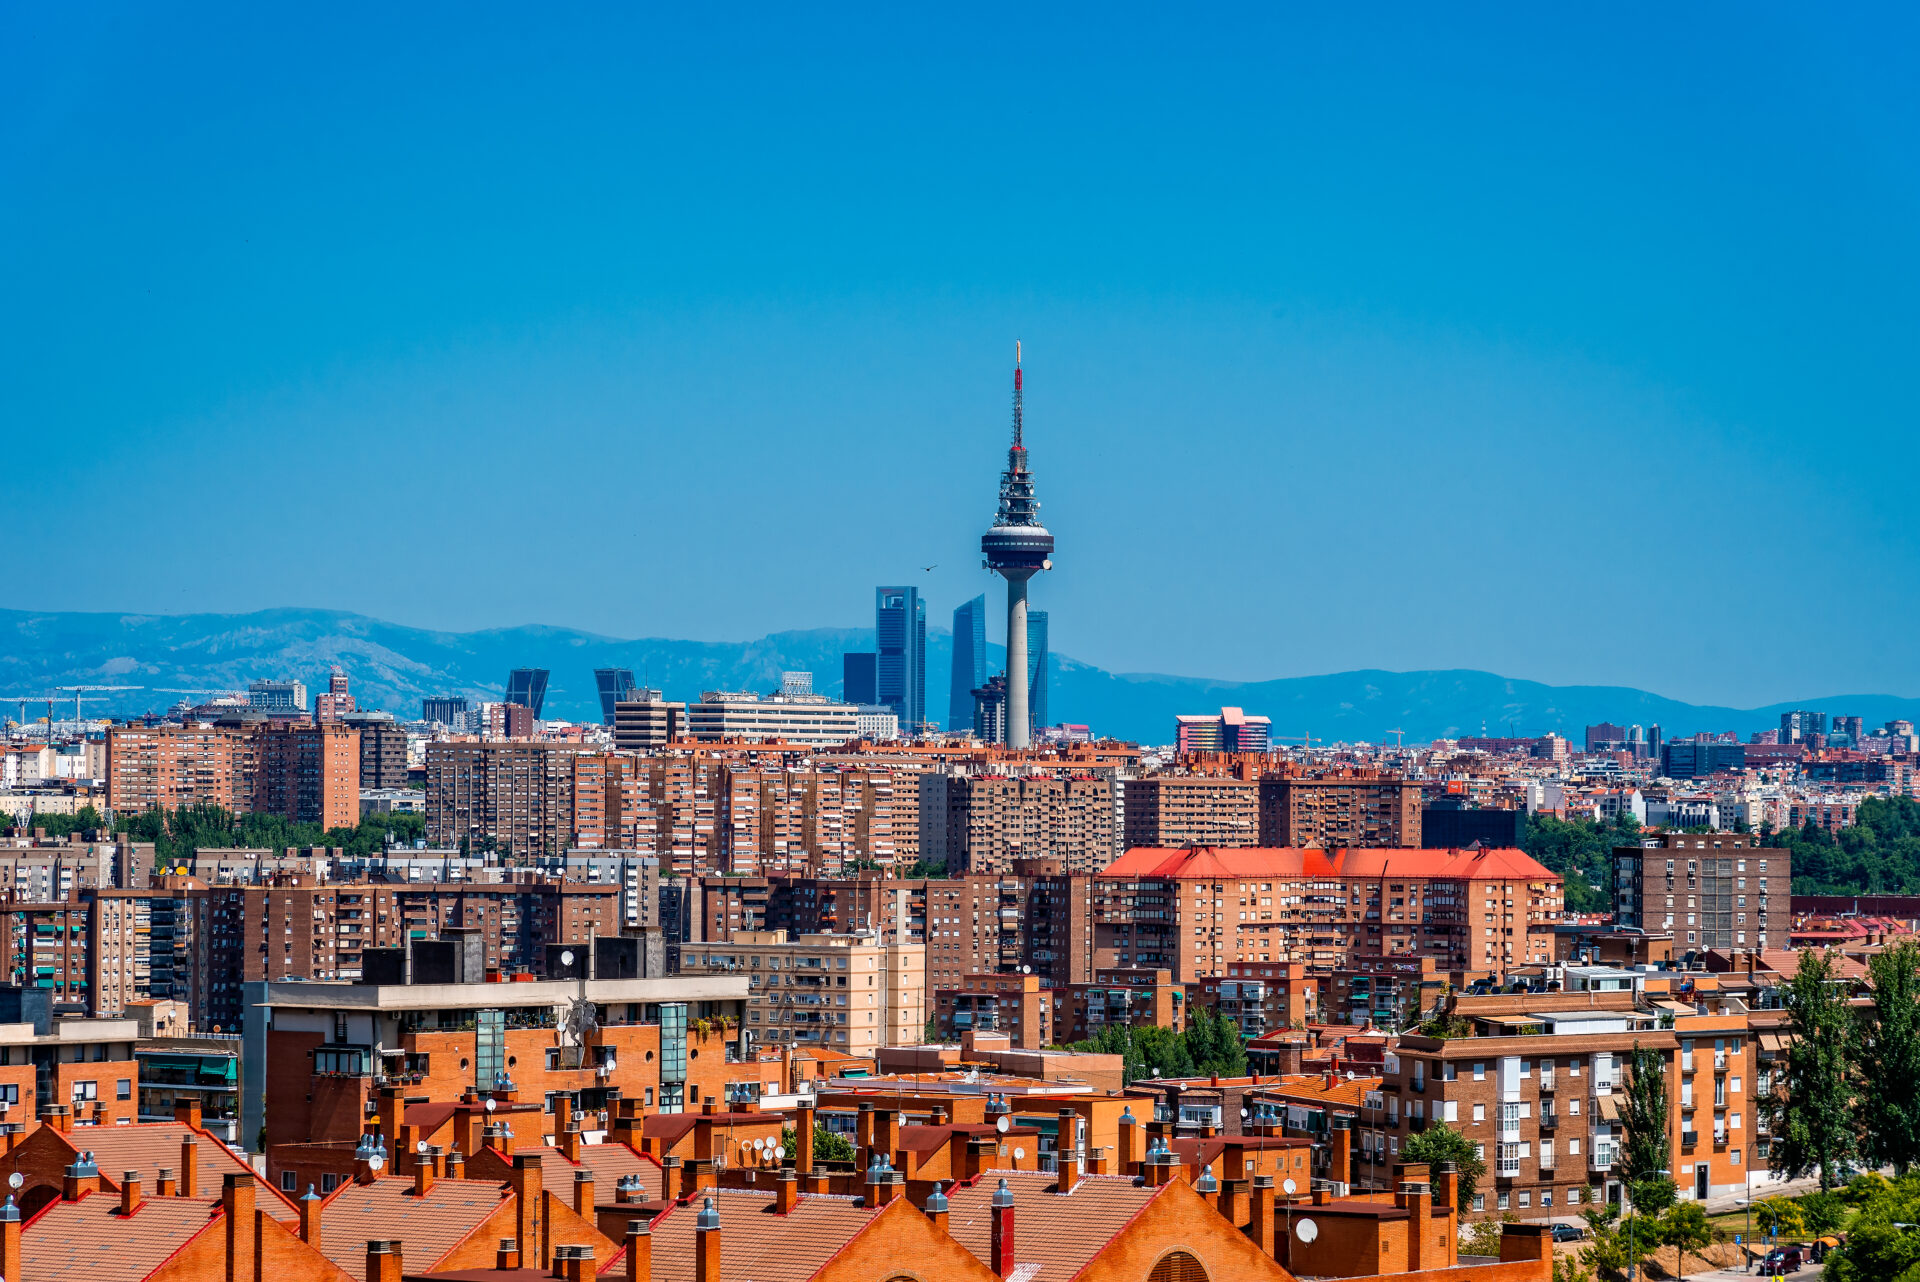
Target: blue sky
[[1574, 346]]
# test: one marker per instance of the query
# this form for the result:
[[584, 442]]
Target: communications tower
[[1017, 548]]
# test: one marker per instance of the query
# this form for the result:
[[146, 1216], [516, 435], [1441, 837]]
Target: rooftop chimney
[[9, 1240], [937, 1207], [529, 1221], [506, 1255], [383, 1260], [1003, 1252], [583, 1194], [310, 1218], [164, 1185], [82, 1178], [129, 1192], [639, 1259], [786, 1191], [236, 1197], [706, 1244]]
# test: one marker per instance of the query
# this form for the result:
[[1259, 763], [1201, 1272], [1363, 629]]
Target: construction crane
[[1399, 737], [24, 699], [77, 692], [213, 690]]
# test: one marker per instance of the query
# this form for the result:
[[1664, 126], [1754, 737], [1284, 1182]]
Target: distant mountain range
[[393, 667]]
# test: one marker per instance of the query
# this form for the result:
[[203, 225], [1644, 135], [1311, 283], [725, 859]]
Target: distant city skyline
[[1519, 311]]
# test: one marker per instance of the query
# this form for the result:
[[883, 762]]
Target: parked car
[[1782, 1259], [1569, 1233]]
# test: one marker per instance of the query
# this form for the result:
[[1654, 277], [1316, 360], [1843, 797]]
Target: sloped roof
[[1058, 1232], [756, 1241], [1206, 862], [430, 1226], [151, 1145], [88, 1241]]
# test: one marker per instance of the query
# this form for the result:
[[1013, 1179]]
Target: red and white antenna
[[1018, 428]]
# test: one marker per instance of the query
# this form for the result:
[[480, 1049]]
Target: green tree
[[931, 1033], [1483, 1236], [1684, 1227], [1779, 1215], [1887, 1049], [1441, 1143], [1882, 1244], [1823, 1212], [1812, 1119], [1645, 1166], [1607, 1251], [1581, 851]]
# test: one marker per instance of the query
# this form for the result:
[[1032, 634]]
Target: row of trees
[[1210, 1044], [1878, 854], [177, 834]]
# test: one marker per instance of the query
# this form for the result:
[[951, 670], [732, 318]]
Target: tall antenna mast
[[1019, 434]]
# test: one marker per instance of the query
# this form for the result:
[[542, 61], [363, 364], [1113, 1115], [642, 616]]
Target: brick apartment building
[[1034, 1015], [1721, 890], [1540, 1084], [383, 749], [849, 993], [304, 773], [1358, 808], [1197, 911], [513, 796], [1191, 810], [309, 773], [983, 823]]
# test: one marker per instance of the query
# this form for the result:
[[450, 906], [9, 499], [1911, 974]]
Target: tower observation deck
[[1017, 548]]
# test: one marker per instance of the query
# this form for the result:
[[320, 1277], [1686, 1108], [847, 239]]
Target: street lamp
[[1747, 1202]]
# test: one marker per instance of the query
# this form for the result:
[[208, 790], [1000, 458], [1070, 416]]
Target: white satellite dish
[[1019, 1155], [566, 957], [376, 1162], [16, 1180], [1306, 1230], [420, 1146], [1003, 1124], [1288, 1187], [489, 1105], [779, 1153]]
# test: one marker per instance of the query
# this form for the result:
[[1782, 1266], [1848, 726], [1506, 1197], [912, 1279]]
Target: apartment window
[[1479, 1112], [86, 1090], [1480, 1071], [123, 1089], [1479, 1201], [329, 1182], [289, 1181]]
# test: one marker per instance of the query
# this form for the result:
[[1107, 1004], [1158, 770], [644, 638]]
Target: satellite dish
[[1306, 1230], [566, 957], [376, 1162], [779, 1152], [1288, 1187], [490, 1107], [420, 1146], [1244, 1115], [15, 1180], [1003, 1124], [1019, 1154]]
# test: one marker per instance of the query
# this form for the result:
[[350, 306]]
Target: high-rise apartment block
[[527, 687], [1360, 808], [983, 823], [849, 993], [1232, 730], [1606, 737], [383, 749], [309, 774], [337, 702], [513, 796], [969, 663], [644, 720], [1196, 911], [900, 636], [1722, 891], [1191, 810], [168, 766]]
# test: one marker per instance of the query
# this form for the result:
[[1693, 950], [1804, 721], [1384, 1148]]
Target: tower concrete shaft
[[1019, 720]]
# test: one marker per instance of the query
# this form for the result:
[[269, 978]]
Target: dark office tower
[[442, 708], [1036, 669], [969, 662], [900, 631], [616, 686], [1799, 726], [1654, 741], [528, 688], [857, 683]]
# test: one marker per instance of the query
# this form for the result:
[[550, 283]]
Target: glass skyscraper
[[969, 662], [615, 686], [528, 688], [900, 675], [1037, 669]]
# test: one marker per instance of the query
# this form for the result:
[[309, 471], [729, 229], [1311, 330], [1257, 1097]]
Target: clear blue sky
[[1578, 347]]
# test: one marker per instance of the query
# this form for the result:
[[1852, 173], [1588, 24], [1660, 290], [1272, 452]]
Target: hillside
[[393, 667]]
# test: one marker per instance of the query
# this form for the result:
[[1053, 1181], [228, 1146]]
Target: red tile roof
[[1205, 862], [755, 1241], [429, 1226], [151, 1145], [1060, 1233], [88, 1241]]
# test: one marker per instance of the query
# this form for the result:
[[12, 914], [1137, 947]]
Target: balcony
[[1689, 1138], [1549, 1121], [1546, 1083]]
